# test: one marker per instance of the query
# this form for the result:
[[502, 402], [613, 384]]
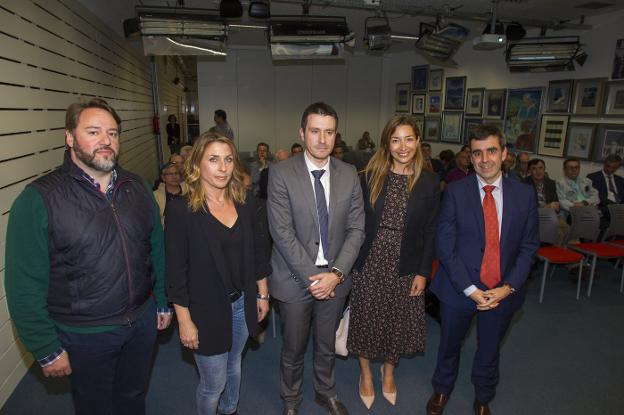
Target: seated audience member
[[434, 165], [185, 152], [340, 142], [461, 169], [545, 188], [573, 190], [522, 165], [256, 167], [338, 152], [609, 185], [509, 165], [366, 143], [247, 181], [169, 189], [295, 149], [280, 155], [447, 157]]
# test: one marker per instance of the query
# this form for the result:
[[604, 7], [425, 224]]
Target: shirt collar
[[94, 182], [497, 183], [311, 166]]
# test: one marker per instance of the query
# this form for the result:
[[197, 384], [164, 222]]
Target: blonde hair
[[235, 190], [381, 163]]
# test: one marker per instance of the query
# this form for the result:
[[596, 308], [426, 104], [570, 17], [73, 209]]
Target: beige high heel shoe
[[367, 400], [389, 396]]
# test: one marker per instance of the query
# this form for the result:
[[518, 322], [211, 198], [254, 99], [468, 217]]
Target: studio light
[[545, 54]]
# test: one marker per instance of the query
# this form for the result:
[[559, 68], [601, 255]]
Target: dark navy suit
[[460, 246]]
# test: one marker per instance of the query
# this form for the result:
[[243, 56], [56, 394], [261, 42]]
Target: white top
[[497, 194], [320, 257]]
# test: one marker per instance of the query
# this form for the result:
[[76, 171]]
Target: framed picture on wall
[[436, 77], [452, 126], [418, 103], [474, 101], [522, 113], [434, 103], [553, 130], [420, 76], [588, 95], [559, 95], [609, 140], [431, 131], [494, 103], [455, 93], [469, 126], [618, 60], [615, 98], [402, 98], [579, 140]]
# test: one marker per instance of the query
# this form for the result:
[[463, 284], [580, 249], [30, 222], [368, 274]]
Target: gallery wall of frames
[[565, 118]]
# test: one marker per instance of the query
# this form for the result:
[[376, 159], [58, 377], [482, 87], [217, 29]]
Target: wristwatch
[[263, 297], [339, 274]]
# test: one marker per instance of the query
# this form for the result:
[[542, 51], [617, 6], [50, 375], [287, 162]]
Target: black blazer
[[599, 183], [550, 189], [418, 242], [194, 270]]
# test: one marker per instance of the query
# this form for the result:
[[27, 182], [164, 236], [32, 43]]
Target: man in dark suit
[[610, 186], [487, 237], [316, 219], [545, 187]]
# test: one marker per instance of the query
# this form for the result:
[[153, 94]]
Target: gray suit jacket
[[293, 222]]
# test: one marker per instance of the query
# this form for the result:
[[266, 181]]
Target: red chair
[[586, 226], [556, 255]]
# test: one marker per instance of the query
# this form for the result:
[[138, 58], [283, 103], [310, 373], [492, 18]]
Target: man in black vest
[[85, 268]]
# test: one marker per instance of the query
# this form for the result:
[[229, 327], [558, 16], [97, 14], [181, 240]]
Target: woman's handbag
[[342, 333]]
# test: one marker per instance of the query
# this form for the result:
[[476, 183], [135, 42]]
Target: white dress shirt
[[497, 194], [320, 257]]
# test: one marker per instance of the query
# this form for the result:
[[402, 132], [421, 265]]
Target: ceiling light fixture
[[545, 54]]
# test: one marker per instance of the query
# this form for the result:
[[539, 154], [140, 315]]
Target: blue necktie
[[321, 208]]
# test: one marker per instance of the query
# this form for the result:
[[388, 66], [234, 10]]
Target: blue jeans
[[220, 375], [110, 370]]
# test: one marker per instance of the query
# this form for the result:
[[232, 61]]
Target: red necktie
[[490, 266]]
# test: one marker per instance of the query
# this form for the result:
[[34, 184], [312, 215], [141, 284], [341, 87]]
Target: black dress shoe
[[436, 404], [333, 405], [290, 411], [481, 408]]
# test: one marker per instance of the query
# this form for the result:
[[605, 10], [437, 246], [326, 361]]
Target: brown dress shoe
[[333, 405], [481, 408], [435, 405]]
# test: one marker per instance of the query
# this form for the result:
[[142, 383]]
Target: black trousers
[[110, 370]]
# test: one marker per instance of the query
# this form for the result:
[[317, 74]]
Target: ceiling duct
[[309, 37], [179, 31], [544, 54]]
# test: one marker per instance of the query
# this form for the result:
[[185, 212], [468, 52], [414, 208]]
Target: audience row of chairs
[[585, 244]]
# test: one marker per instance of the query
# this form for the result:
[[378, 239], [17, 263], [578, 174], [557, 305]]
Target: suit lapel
[[334, 191], [508, 207], [474, 198], [303, 177]]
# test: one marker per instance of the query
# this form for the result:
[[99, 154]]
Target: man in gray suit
[[316, 218]]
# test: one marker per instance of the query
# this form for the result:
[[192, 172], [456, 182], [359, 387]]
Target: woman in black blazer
[[387, 303], [217, 263]]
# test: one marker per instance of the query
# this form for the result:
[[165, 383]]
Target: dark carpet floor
[[562, 357]]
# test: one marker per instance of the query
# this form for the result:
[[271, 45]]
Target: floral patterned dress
[[385, 322]]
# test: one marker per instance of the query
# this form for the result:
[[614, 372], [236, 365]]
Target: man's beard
[[97, 163]]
